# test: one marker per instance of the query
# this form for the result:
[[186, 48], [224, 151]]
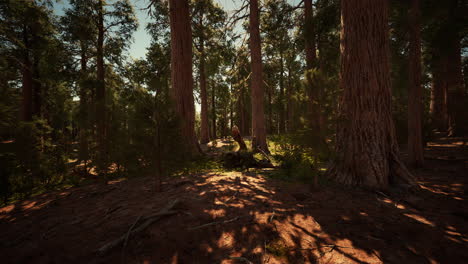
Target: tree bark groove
[[366, 147], [181, 70], [258, 115]]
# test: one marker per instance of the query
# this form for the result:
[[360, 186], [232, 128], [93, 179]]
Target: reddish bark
[[258, 116], [181, 70], [367, 150], [238, 138]]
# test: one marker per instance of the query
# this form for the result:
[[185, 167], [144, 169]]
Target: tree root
[[148, 220], [216, 223]]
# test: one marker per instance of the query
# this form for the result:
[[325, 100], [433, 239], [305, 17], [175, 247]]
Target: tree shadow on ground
[[251, 218]]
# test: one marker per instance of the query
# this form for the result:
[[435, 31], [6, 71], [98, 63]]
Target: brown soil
[[260, 220]]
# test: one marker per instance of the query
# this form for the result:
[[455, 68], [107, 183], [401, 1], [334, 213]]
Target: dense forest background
[[74, 107]]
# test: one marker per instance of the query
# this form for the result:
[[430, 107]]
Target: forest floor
[[245, 217]]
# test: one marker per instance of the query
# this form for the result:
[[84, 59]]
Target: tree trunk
[[83, 147], [181, 70], [27, 81], [204, 133], [415, 106], [258, 116], [290, 125], [213, 110], [311, 58], [204, 130], [231, 106], [37, 98], [269, 124], [366, 148], [439, 91], [101, 94], [455, 90], [282, 119]]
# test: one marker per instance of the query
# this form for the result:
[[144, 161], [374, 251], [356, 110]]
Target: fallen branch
[[148, 221], [216, 223], [232, 197]]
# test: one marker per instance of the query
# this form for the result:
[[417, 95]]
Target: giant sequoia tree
[[258, 116], [181, 69], [366, 147]]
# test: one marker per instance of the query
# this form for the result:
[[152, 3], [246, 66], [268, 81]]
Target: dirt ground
[[237, 217]]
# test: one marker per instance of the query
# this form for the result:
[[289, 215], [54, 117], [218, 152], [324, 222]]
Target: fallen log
[[238, 138]]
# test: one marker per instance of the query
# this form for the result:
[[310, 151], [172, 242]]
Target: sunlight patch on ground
[[216, 213], [7, 209], [420, 219], [226, 240]]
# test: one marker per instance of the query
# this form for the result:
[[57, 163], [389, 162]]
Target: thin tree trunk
[[101, 94], [231, 106], [181, 70], [439, 91], [213, 110], [282, 119], [204, 130], [311, 61], [290, 125], [241, 114], [455, 90], [367, 150], [27, 81], [37, 97], [269, 125], [83, 147], [204, 133], [415, 106], [157, 148]]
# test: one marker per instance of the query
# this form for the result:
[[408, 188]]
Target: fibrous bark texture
[[181, 70], [366, 147], [258, 116]]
